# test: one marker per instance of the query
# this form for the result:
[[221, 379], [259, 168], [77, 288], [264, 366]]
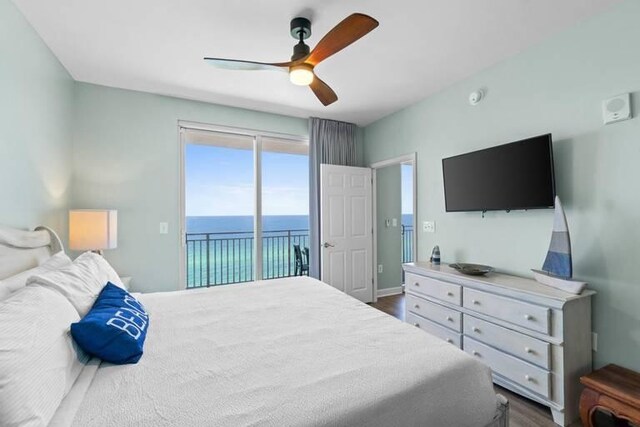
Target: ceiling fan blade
[[236, 64], [325, 94], [351, 29]]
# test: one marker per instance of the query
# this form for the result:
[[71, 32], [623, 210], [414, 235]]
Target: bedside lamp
[[93, 229]]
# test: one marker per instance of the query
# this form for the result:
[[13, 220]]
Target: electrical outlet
[[164, 228], [429, 226], [379, 268], [594, 341]]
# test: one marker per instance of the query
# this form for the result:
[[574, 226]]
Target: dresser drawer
[[435, 312], [435, 330], [522, 346], [530, 316], [520, 372], [434, 288]]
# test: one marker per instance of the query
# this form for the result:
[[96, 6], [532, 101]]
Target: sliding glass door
[[245, 206], [285, 208]]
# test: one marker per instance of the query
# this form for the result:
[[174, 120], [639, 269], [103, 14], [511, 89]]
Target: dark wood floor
[[393, 305], [523, 412]]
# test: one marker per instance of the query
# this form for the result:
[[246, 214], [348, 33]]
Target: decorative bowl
[[472, 269]]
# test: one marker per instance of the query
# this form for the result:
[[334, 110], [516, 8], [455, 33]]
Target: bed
[[293, 352]]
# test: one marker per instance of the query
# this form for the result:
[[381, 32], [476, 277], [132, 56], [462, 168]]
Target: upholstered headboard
[[21, 250]]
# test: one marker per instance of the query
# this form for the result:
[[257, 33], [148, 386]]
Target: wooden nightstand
[[614, 390]]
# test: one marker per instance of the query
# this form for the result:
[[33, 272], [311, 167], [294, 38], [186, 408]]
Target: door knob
[[327, 245]]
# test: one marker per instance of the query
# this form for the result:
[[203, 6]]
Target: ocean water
[[224, 224], [220, 248]]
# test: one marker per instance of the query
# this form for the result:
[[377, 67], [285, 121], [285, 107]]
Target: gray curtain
[[334, 143]]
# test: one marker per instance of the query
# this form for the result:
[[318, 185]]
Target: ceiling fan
[[304, 60]]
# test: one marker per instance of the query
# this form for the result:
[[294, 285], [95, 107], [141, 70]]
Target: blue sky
[[407, 188], [219, 181]]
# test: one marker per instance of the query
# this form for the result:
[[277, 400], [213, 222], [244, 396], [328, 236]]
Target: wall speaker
[[616, 109]]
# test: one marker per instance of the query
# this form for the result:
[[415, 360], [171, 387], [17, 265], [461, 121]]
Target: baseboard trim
[[387, 292]]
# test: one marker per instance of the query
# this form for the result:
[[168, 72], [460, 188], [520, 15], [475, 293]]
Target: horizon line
[[221, 216]]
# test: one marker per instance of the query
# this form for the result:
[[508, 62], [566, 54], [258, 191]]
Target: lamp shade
[[93, 229]]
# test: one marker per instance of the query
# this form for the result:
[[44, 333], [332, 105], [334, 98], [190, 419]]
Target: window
[[245, 206]]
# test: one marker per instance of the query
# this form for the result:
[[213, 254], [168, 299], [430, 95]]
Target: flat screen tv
[[507, 177]]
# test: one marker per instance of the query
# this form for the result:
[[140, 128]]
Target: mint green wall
[[555, 87], [36, 95], [66, 145], [126, 157], [389, 244]]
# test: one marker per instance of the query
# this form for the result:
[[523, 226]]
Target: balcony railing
[[223, 258], [407, 243]]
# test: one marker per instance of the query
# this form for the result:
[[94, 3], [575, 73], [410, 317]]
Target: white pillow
[[13, 283], [81, 281], [38, 361]]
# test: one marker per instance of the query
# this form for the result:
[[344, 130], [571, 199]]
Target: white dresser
[[536, 339]]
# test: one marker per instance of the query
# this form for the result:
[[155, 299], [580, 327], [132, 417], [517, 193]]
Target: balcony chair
[[302, 265]]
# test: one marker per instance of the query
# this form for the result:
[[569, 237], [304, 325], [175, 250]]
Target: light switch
[[164, 228], [394, 222], [379, 268]]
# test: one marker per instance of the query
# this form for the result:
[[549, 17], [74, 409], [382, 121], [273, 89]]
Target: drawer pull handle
[[417, 325], [416, 306], [475, 353], [475, 301], [449, 340], [528, 317], [476, 330], [449, 319], [528, 350], [449, 294], [417, 284], [529, 378]]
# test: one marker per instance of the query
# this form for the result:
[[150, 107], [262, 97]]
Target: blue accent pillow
[[115, 328]]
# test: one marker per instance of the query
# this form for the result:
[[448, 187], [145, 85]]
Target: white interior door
[[346, 230]]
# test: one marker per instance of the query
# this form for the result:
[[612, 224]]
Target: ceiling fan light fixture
[[304, 60], [301, 75]]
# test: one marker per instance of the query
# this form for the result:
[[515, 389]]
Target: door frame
[[410, 158], [257, 183]]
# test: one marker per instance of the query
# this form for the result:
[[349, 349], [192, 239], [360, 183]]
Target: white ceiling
[[420, 47]]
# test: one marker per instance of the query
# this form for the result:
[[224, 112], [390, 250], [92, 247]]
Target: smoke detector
[[476, 96]]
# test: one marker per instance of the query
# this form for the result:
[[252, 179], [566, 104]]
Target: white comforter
[[290, 352]]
